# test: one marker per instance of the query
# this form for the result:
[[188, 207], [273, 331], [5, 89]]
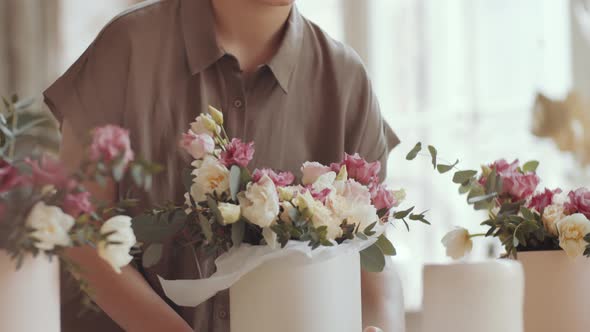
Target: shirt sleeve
[[93, 90], [370, 135]]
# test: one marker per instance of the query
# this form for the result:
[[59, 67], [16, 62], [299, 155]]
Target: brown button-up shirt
[[156, 67]]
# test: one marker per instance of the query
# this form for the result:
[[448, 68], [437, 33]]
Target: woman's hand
[[372, 329]]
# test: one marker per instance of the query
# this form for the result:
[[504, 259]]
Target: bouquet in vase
[[258, 216]]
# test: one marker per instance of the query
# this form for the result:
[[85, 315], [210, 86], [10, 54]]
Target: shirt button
[[238, 103], [222, 314]]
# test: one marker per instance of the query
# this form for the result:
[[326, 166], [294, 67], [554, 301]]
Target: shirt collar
[[198, 24]]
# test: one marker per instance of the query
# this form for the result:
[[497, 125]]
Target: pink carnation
[[76, 204], [109, 143], [280, 179], [383, 198], [237, 153], [311, 171], [359, 169], [49, 171], [520, 186], [9, 176], [319, 195], [579, 202], [540, 201], [198, 146]]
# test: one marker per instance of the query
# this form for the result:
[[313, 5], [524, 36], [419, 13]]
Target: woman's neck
[[250, 30]]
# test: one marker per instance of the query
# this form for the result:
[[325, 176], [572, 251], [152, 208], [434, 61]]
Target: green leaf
[[406, 223], [372, 259], [137, 175], [362, 236], [433, 154], [152, 255], [483, 198], [587, 238], [187, 179], [238, 230], [442, 169], [515, 242], [403, 214], [205, 227], [235, 181], [119, 169], [530, 166], [491, 182], [527, 214], [461, 177], [420, 217], [463, 189], [385, 246], [151, 229], [369, 229], [215, 210], [414, 152]]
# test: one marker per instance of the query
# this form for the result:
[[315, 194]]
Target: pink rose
[[540, 201], [76, 204], [49, 171], [383, 198], [109, 143], [579, 202], [520, 186], [281, 179], [237, 153], [359, 169], [312, 171], [503, 168], [9, 176], [198, 146]]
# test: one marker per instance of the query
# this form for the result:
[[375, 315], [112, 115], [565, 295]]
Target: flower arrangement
[[44, 209], [226, 204], [523, 217]]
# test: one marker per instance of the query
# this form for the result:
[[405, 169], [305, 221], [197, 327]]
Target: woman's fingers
[[373, 329]]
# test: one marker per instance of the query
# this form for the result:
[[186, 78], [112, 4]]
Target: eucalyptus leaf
[[477, 199], [369, 229], [414, 152], [461, 177], [205, 227], [433, 155], [442, 169], [530, 166], [148, 228], [238, 230], [235, 181], [385, 246], [152, 255], [403, 214], [372, 259], [215, 210], [362, 236]]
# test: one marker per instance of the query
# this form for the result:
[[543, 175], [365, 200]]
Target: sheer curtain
[[461, 75]]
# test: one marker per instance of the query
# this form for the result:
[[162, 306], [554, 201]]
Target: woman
[[281, 82]]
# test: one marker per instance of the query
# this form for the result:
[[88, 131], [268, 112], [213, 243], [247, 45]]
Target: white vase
[[288, 296], [467, 297], [29, 297], [557, 295]]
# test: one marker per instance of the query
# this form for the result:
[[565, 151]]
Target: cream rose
[[312, 171], [51, 226], [260, 202], [320, 215], [352, 202], [457, 243], [324, 181], [229, 212], [211, 177], [551, 216], [572, 230], [204, 124], [114, 249], [289, 192]]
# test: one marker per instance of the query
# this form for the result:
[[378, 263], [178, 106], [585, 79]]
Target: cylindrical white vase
[[467, 297], [557, 295], [291, 295], [29, 297]]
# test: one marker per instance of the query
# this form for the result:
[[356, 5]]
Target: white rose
[[354, 212], [260, 202], [229, 212], [115, 248], [270, 237], [572, 230], [320, 215], [324, 181], [211, 177], [204, 124], [551, 216], [458, 243], [312, 171], [51, 226]]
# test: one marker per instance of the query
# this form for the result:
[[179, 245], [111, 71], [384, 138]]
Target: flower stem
[[477, 235]]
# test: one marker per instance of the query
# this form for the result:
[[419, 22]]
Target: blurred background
[[479, 79]]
